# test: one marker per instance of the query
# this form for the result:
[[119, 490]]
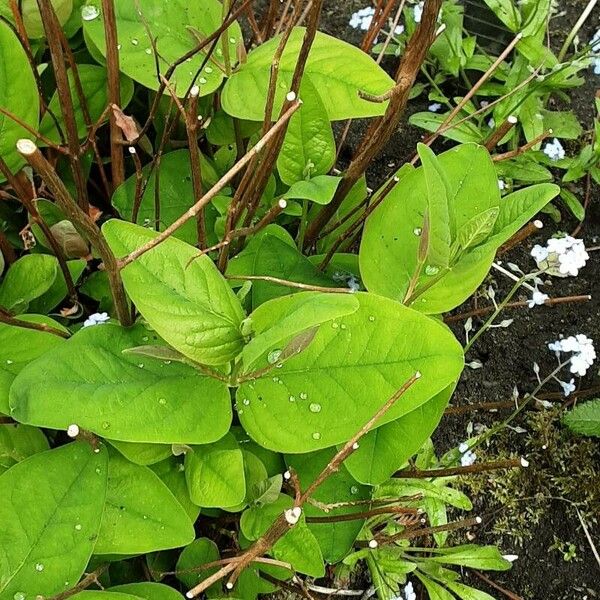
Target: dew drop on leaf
[[417, 231], [105, 425], [371, 318], [303, 395], [273, 356], [334, 325], [78, 526], [354, 490], [245, 402], [89, 12], [431, 270], [292, 398], [314, 407], [316, 435], [202, 80], [19, 596], [39, 567], [162, 401], [134, 41]]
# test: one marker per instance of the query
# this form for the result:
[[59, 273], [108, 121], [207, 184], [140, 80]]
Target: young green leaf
[[92, 382], [329, 391], [188, 303], [142, 454], [475, 231], [487, 558], [17, 442], [50, 512], [199, 552], [148, 590], [319, 189], [584, 418], [141, 514]]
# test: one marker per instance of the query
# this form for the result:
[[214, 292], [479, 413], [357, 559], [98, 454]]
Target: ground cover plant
[[227, 339]]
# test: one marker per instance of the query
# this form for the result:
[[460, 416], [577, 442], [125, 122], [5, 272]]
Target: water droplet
[[9, 362], [98, 470], [167, 362], [354, 490], [371, 318], [232, 40], [148, 50], [431, 270], [208, 69], [105, 425], [202, 80], [162, 401], [273, 356], [314, 407], [119, 46], [343, 326], [316, 435], [145, 338], [245, 402], [417, 231], [78, 527], [145, 516], [89, 12], [39, 567], [219, 52], [303, 395], [19, 596], [292, 398], [134, 41], [141, 365], [334, 325], [275, 379]]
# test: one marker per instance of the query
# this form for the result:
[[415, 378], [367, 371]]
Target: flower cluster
[[537, 299], [595, 44], [362, 18], [554, 150], [409, 592], [561, 256], [583, 357], [468, 456], [96, 319]]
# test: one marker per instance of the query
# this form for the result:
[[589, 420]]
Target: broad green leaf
[[31, 15], [335, 538], [148, 590], [394, 488], [93, 82], [272, 461], [215, 473], [50, 512], [17, 442], [27, 279], [384, 450], [298, 546], [141, 514], [90, 381], [584, 418], [283, 319], [58, 290], [258, 488], [177, 27], [309, 146], [523, 168], [172, 474], [188, 303], [175, 192], [319, 189], [463, 133], [18, 94], [104, 595], [337, 70], [564, 124], [325, 394], [507, 12], [276, 258], [438, 211], [487, 558], [19, 347], [199, 552], [142, 454]]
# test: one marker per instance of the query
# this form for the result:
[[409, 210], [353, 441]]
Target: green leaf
[[188, 303], [335, 538], [435, 590], [21, 346], [572, 202], [17, 442], [148, 590], [103, 595], [297, 547], [507, 12], [93, 82], [439, 215], [27, 279], [309, 146], [325, 394], [142, 454], [476, 230], [58, 290], [584, 418], [384, 450], [465, 592], [176, 193], [172, 474], [50, 513], [199, 552], [394, 488], [487, 558], [280, 320], [215, 473], [177, 28], [90, 381], [18, 94], [141, 514], [463, 133], [336, 70], [523, 168], [320, 189]]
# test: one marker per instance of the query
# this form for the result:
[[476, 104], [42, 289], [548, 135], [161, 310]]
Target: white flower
[[595, 44], [409, 592], [554, 150], [434, 107], [567, 386], [418, 12], [537, 299], [492, 123], [463, 447], [96, 319], [501, 184], [362, 18], [582, 349], [399, 30], [468, 458], [562, 256]]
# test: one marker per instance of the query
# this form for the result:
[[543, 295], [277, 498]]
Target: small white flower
[[468, 458], [595, 44], [418, 12], [582, 348], [554, 150], [434, 107], [96, 319], [537, 299], [492, 123], [399, 30], [510, 557], [409, 592], [567, 386], [501, 184], [463, 447], [292, 515], [362, 18], [561, 257]]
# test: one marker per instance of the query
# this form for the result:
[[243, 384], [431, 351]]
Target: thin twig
[[516, 463], [292, 284], [9, 319]]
